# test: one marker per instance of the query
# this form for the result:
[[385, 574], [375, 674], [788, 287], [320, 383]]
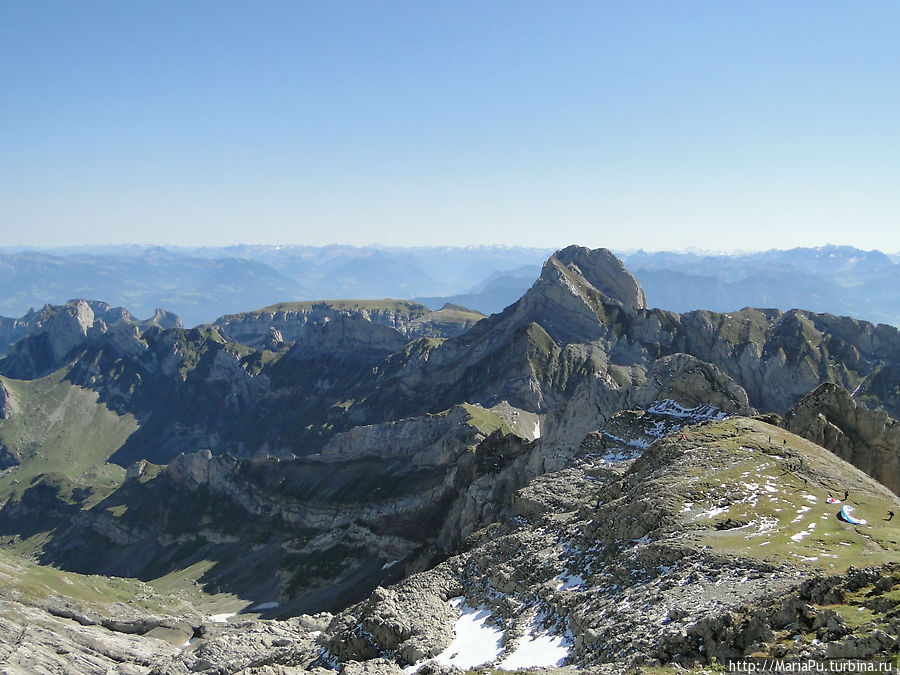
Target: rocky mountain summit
[[579, 476], [56, 331]]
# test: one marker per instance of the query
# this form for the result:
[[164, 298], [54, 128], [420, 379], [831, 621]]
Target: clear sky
[[662, 125]]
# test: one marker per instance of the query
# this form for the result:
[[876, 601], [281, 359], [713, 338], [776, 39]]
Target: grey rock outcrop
[[605, 272], [868, 439], [35, 640], [7, 402], [679, 377], [67, 327], [165, 319]]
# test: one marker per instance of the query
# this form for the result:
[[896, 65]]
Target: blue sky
[[661, 125]]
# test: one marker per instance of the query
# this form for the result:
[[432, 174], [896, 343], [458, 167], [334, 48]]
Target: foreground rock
[[35, 640]]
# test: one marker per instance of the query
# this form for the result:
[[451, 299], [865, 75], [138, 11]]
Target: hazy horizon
[[696, 250]]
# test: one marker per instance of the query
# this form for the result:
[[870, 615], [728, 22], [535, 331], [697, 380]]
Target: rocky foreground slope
[[716, 540]]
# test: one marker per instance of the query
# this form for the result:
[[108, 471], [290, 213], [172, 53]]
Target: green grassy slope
[[61, 429], [767, 499]]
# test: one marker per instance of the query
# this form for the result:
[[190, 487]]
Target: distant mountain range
[[200, 284]]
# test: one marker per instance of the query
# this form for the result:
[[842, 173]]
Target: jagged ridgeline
[[533, 476]]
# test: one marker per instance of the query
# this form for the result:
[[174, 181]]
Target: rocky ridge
[[42, 341], [868, 439], [287, 322]]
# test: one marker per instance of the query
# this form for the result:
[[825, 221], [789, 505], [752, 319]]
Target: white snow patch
[[764, 526], [389, 564], [672, 409], [812, 499], [804, 533], [712, 513], [538, 649], [221, 618], [569, 582], [537, 430], [478, 640], [687, 507], [800, 513]]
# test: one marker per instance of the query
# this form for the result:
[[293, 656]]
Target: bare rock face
[[434, 440], [868, 439], [605, 272], [166, 319], [7, 402], [693, 382], [191, 469], [68, 327], [412, 620], [347, 333], [679, 377], [39, 640]]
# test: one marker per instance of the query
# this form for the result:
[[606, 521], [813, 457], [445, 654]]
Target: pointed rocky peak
[[68, 326], [166, 319], [573, 300], [603, 271]]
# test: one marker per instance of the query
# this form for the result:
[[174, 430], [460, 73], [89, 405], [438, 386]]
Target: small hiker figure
[[784, 442], [682, 436], [770, 439], [890, 515], [846, 494]]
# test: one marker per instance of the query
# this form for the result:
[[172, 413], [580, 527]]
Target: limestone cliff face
[[427, 441], [67, 328], [7, 402], [868, 439], [347, 333]]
